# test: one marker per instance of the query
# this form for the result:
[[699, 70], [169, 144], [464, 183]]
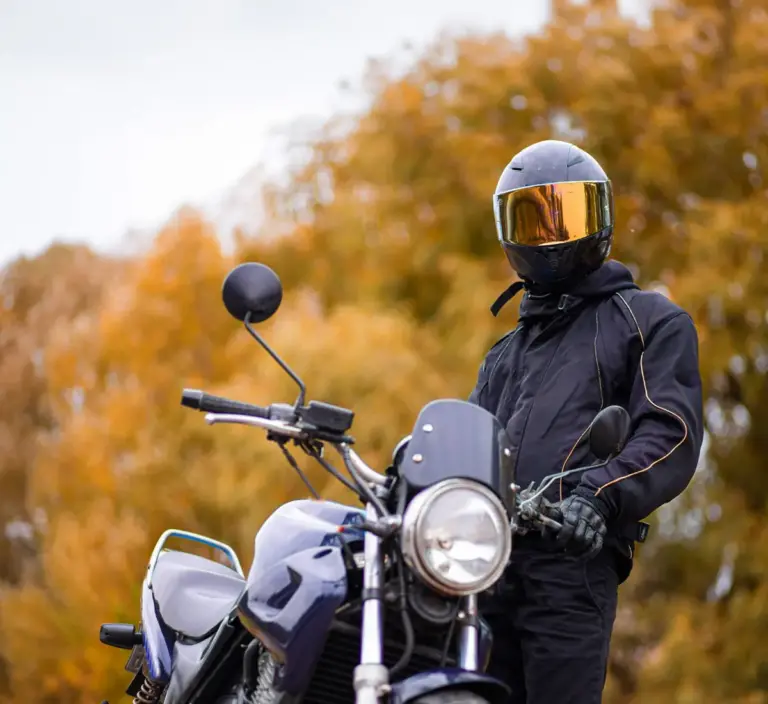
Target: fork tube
[[373, 608], [371, 677], [469, 634]]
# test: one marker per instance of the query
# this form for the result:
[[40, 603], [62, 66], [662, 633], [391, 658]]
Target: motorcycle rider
[[587, 338]]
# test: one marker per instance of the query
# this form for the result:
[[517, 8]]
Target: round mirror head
[[252, 288], [609, 432]]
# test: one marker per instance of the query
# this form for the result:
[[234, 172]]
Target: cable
[[312, 452], [292, 461], [295, 465], [550, 480], [448, 641], [410, 639], [364, 488]]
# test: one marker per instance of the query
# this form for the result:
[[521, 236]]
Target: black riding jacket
[[605, 343]]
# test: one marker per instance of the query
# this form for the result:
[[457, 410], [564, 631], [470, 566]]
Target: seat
[[193, 594]]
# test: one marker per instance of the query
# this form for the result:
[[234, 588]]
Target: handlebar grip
[[207, 403]]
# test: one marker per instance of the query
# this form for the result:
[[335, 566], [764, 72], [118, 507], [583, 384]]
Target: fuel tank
[[297, 581]]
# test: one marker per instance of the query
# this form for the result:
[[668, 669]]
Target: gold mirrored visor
[[555, 213]]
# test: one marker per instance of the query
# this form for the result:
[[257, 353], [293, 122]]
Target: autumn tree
[[385, 243], [395, 206], [38, 297], [126, 462]]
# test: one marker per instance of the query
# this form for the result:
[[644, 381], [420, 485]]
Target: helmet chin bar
[[556, 269], [557, 287]]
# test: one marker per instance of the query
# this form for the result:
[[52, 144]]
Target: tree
[[38, 298], [385, 243], [395, 207], [126, 462]]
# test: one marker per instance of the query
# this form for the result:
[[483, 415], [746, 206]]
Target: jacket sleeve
[[666, 409]]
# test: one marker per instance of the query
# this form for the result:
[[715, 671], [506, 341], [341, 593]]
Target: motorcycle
[[341, 603]]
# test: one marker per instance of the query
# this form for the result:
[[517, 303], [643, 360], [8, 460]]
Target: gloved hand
[[584, 526]]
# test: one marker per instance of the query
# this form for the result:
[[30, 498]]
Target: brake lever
[[548, 522], [532, 508]]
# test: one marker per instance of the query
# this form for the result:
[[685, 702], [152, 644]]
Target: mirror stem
[[302, 389]]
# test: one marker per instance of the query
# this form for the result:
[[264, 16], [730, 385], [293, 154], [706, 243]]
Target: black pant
[[552, 623]]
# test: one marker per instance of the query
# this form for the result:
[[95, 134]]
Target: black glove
[[584, 526]]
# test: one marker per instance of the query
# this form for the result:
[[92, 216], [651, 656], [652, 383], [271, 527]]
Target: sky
[[113, 114]]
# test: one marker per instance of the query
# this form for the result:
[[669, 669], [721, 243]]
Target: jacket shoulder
[[503, 339], [488, 364], [497, 348], [651, 309], [499, 345]]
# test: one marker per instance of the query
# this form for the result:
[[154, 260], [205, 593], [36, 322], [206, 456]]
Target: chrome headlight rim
[[411, 530]]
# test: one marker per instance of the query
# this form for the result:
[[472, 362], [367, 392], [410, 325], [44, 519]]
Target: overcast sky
[[114, 113]]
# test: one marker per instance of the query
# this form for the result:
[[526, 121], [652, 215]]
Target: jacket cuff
[[599, 504]]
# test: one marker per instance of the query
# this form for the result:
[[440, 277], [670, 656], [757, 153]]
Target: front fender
[[423, 683]]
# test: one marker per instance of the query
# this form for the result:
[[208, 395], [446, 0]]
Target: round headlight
[[456, 537]]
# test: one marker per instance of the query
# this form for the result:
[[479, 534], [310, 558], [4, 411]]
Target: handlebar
[[289, 430], [224, 410], [208, 403]]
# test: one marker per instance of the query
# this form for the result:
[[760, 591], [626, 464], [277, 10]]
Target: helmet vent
[[516, 164]]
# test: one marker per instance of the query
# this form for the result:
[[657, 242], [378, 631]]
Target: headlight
[[456, 537]]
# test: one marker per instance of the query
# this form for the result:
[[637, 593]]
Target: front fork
[[469, 634], [371, 678]]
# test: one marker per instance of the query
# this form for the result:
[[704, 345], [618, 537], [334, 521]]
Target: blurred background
[[145, 148]]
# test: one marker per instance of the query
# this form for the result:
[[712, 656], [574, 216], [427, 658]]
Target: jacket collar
[[610, 278]]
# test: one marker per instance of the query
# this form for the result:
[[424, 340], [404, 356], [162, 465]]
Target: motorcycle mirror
[[609, 432], [252, 288], [252, 293]]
